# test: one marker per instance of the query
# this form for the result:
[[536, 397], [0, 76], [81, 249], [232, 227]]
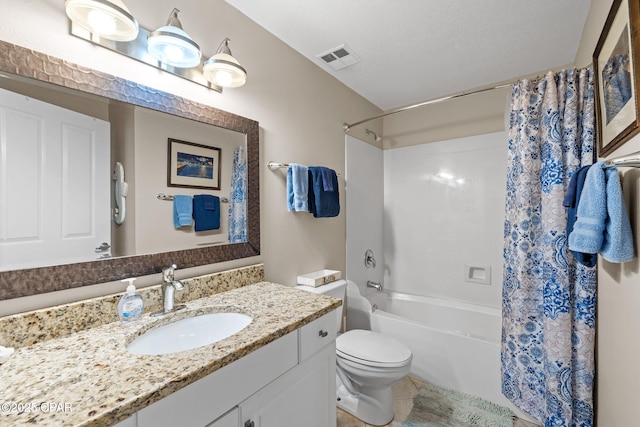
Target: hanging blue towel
[[327, 178], [603, 224], [297, 188], [323, 203], [182, 211], [206, 212], [571, 201]]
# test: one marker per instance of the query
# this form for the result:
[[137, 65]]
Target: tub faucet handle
[[369, 260]]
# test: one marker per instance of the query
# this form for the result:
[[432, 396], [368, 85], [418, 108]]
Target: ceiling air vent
[[339, 57]]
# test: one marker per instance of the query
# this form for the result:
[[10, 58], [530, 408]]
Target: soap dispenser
[[130, 305]]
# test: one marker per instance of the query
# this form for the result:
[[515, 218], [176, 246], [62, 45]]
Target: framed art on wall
[[616, 68], [193, 165]]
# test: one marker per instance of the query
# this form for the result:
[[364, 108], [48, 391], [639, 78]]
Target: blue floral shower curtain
[[548, 326], [238, 198]]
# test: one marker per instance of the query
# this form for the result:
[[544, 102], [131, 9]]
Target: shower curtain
[[238, 198], [548, 326]]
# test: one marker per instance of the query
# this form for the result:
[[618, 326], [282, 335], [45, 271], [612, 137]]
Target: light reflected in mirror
[[147, 237]]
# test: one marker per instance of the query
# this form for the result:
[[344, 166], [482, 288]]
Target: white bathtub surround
[[365, 212], [444, 210], [442, 215]]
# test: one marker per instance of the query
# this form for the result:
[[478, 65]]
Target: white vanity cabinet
[[230, 419], [304, 396], [287, 383], [129, 422]]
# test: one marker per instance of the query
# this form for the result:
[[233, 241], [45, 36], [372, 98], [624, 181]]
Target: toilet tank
[[335, 289]]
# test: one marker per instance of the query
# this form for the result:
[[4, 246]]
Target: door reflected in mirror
[[83, 175]]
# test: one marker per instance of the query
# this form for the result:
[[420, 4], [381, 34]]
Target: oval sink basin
[[189, 333]]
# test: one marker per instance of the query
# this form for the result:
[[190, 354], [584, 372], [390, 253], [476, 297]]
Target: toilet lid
[[373, 349]]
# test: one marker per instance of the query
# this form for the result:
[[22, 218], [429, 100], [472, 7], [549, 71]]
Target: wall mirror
[[141, 121]]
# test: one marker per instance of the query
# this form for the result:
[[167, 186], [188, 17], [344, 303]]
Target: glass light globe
[[224, 70], [109, 19], [178, 51]]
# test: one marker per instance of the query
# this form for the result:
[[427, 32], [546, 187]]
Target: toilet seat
[[372, 349]]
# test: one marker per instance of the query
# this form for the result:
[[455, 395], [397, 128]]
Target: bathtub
[[455, 344]]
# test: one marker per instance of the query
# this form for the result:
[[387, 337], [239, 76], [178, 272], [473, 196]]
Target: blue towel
[[327, 178], [603, 224], [571, 201], [573, 192], [297, 188], [323, 203], [182, 211], [206, 212]]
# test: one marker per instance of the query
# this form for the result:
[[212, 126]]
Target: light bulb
[[173, 53], [223, 78], [101, 22]]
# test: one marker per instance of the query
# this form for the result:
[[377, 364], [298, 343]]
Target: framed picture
[[193, 165], [616, 69]]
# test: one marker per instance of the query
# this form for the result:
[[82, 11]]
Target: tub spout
[[374, 285]]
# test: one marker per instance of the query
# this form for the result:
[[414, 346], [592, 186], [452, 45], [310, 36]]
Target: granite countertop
[[90, 379]]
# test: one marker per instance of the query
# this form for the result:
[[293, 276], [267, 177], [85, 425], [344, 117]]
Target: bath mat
[[440, 407]]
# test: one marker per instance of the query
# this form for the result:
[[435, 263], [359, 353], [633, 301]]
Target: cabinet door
[[304, 396], [230, 419], [129, 422]]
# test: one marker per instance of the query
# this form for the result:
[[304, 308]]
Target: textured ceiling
[[416, 50]]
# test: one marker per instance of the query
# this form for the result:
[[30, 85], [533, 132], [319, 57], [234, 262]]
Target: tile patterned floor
[[403, 393]]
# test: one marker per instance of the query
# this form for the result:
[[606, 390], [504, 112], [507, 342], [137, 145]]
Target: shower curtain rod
[[347, 126]]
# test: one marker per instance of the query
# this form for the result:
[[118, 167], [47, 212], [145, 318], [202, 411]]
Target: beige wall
[[122, 119], [300, 108], [475, 114], [154, 218]]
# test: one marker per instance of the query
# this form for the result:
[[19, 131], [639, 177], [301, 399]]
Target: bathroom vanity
[[289, 382], [278, 371]]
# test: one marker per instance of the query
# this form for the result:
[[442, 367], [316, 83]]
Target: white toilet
[[368, 363]]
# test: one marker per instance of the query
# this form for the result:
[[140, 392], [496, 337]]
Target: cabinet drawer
[[210, 397], [317, 334], [230, 419]]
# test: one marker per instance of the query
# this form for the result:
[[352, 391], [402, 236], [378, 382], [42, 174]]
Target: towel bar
[[631, 161], [275, 165], [162, 196]]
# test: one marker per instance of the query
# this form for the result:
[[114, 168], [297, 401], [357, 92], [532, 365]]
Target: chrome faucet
[[375, 285], [169, 287]]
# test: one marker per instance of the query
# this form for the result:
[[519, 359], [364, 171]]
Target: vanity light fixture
[[172, 46], [169, 48], [109, 19], [223, 69]]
